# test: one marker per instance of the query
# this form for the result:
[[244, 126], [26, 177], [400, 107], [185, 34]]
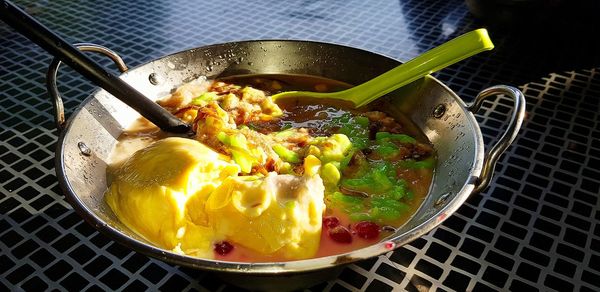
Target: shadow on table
[[532, 37], [564, 37]]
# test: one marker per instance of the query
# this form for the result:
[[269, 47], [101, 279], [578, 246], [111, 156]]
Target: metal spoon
[[435, 59], [60, 48]]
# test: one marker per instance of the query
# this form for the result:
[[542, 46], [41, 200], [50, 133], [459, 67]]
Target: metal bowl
[[463, 166]]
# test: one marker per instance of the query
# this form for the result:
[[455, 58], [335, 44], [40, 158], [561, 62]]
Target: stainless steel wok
[[464, 167]]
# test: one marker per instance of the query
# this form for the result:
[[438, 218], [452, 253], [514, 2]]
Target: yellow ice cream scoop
[[276, 214], [151, 190]]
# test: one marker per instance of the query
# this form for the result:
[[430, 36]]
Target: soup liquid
[[314, 115]]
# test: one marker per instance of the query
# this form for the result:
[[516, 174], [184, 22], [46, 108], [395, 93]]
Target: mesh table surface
[[536, 228]]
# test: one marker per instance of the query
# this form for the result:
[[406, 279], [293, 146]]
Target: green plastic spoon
[[435, 59]]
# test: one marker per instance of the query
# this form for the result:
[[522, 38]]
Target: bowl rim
[[267, 268]]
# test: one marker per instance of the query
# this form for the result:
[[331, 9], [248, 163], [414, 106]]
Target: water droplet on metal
[[439, 111], [84, 149], [154, 79], [442, 199]]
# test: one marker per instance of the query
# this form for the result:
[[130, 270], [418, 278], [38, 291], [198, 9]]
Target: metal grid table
[[536, 228]]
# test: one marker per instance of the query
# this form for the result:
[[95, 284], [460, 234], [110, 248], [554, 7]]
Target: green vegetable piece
[[362, 216], [238, 140], [397, 192], [402, 207], [341, 198], [291, 204], [346, 130], [365, 184], [386, 136], [205, 98], [385, 213], [413, 164], [387, 151], [343, 119], [285, 133], [356, 128], [224, 138], [403, 138], [243, 160], [285, 154], [388, 203], [381, 180], [237, 145], [362, 121], [336, 164], [349, 208], [360, 143], [386, 167], [357, 183], [346, 160], [382, 135]]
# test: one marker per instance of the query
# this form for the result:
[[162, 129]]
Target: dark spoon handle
[[60, 48]]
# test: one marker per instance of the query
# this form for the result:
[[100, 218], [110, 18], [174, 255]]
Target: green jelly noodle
[[377, 193], [373, 192]]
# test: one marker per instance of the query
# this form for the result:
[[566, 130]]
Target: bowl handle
[[515, 122], [56, 99]]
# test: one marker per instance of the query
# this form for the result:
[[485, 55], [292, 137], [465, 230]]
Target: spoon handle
[[435, 59], [60, 48]]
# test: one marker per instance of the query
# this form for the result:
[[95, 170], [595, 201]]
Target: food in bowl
[[266, 182]]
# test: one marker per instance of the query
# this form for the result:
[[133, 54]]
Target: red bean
[[223, 247], [367, 230], [331, 221], [340, 234]]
